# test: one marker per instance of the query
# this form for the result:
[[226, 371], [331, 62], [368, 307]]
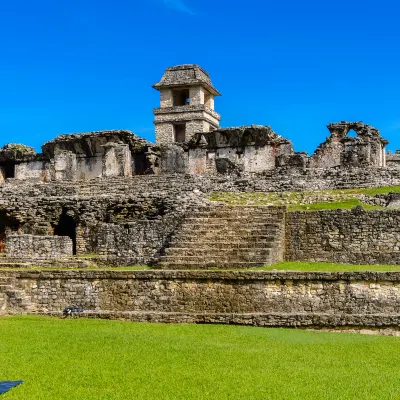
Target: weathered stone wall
[[164, 133], [33, 170], [346, 236], [33, 247], [89, 167], [359, 299], [136, 243], [393, 160], [36, 208], [117, 160], [366, 149]]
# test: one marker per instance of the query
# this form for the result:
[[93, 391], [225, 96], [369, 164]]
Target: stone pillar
[[65, 165], [383, 156], [196, 94], [198, 161], [117, 160], [166, 98]]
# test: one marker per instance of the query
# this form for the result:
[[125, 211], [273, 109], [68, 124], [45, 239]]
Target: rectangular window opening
[[181, 97], [9, 170], [179, 133]]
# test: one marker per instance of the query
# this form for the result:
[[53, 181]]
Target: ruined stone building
[[114, 194], [190, 141], [111, 198]]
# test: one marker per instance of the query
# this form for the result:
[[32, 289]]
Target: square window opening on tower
[[179, 133], [181, 97]]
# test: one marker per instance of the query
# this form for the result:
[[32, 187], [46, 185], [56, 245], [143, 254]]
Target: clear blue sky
[[83, 65]]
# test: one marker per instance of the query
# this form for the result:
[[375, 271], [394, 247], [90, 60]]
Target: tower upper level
[[186, 104]]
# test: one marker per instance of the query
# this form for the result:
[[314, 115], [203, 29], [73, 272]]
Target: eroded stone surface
[[366, 300]]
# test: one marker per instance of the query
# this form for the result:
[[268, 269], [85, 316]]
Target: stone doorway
[[66, 227], [6, 224]]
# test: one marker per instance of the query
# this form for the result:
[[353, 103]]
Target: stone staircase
[[227, 237]]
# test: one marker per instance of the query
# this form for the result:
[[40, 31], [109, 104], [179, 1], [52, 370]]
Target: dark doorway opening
[[179, 133], [66, 227], [9, 170], [6, 223], [139, 160]]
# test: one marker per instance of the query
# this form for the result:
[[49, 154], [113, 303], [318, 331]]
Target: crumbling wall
[[33, 170], [117, 160], [393, 160], [278, 298], [367, 149], [32, 247], [174, 159], [65, 166], [249, 149], [136, 243], [346, 236], [92, 155]]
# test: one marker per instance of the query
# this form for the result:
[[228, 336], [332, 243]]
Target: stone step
[[241, 226], [224, 258], [235, 220], [11, 264], [208, 253], [221, 243], [234, 235], [211, 264], [236, 213]]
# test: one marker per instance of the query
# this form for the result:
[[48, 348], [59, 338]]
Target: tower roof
[[184, 75]]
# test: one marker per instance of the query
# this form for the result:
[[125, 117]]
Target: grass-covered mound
[[96, 359], [307, 200], [306, 266]]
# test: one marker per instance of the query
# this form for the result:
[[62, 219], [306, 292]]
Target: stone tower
[[186, 104]]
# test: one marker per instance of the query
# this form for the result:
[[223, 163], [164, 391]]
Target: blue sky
[[76, 66]]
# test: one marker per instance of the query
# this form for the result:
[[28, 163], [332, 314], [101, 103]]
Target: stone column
[[383, 156], [65, 165], [117, 160]]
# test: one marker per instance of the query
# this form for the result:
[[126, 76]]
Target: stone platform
[[352, 300]]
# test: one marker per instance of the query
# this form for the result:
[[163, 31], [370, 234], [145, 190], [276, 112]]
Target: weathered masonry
[[362, 300], [111, 198], [189, 140]]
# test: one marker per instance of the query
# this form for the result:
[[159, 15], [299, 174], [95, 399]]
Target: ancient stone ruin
[[189, 141], [111, 198]]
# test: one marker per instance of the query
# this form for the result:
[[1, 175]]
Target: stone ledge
[[295, 320], [391, 276]]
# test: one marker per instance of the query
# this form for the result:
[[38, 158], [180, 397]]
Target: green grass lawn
[[333, 205], [339, 198], [96, 359], [326, 267]]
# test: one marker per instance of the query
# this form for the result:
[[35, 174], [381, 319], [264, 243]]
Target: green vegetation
[[97, 359], [333, 205], [295, 201], [283, 266], [325, 267]]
